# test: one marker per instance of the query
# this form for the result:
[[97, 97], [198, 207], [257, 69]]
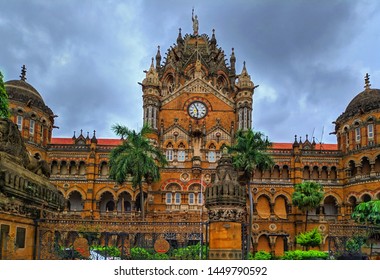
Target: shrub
[[261, 255], [305, 255], [309, 239]]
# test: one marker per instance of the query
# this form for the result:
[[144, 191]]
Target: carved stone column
[[225, 201]]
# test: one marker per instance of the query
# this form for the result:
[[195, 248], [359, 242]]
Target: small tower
[[226, 202], [151, 87], [245, 89]]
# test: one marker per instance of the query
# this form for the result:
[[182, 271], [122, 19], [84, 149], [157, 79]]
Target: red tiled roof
[[283, 146], [115, 142], [69, 141]]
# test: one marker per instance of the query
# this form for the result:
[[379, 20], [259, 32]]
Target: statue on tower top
[[195, 23]]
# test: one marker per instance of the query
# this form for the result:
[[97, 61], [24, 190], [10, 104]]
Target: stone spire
[[233, 61], [213, 39], [195, 23], [158, 58], [23, 73]]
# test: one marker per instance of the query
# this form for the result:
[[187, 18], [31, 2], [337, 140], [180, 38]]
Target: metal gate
[[73, 239]]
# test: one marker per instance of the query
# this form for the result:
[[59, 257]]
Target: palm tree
[[307, 196], [250, 152], [136, 157]]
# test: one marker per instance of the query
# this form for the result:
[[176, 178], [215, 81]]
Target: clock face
[[197, 110]]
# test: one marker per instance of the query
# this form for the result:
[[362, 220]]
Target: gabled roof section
[[198, 85]]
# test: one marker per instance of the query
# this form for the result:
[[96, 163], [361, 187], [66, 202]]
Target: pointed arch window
[[212, 153], [169, 152], [181, 154]]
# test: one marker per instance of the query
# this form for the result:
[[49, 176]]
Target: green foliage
[[137, 157], [110, 251], [250, 151], [354, 244], [187, 253], [261, 255], [138, 253], [191, 252], [305, 255], [307, 196], [309, 239], [367, 212], [4, 102]]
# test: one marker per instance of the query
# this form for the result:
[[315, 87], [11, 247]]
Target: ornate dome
[[20, 88], [21, 91], [364, 102]]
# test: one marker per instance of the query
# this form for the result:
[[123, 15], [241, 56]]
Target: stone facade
[[196, 101]]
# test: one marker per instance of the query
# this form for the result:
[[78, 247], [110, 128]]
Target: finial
[[307, 137], [23, 73], [195, 23], [366, 81], [94, 133], [74, 137], [81, 131]]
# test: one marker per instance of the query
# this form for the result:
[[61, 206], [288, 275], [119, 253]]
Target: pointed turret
[[244, 100]]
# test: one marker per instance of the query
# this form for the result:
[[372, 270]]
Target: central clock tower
[[195, 102]]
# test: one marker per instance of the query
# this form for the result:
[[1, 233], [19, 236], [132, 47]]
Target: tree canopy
[[307, 196], [367, 212], [136, 157], [4, 103]]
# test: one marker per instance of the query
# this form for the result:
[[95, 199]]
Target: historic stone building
[[195, 100]]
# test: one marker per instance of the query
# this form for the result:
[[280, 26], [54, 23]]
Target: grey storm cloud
[[87, 57]]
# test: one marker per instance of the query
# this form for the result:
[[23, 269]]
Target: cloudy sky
[[86, 57]]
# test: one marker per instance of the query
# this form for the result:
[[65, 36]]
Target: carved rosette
[[226, 215]]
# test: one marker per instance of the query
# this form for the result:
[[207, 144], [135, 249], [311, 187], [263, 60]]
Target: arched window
[[324, 173], [306, 173], [365, 197], [104, 168], [63, 168], [32, 125], [370, 131], [366, 167], [20, 121], [212, 153], [82, 168], [200, 198], [330, 206], [191, 198], [315, 173], [285, 172], [168, 199], [357, 134], [54, 167], [72, 168], [181, 154], [177, 198], [169, 152], [75, 201]]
